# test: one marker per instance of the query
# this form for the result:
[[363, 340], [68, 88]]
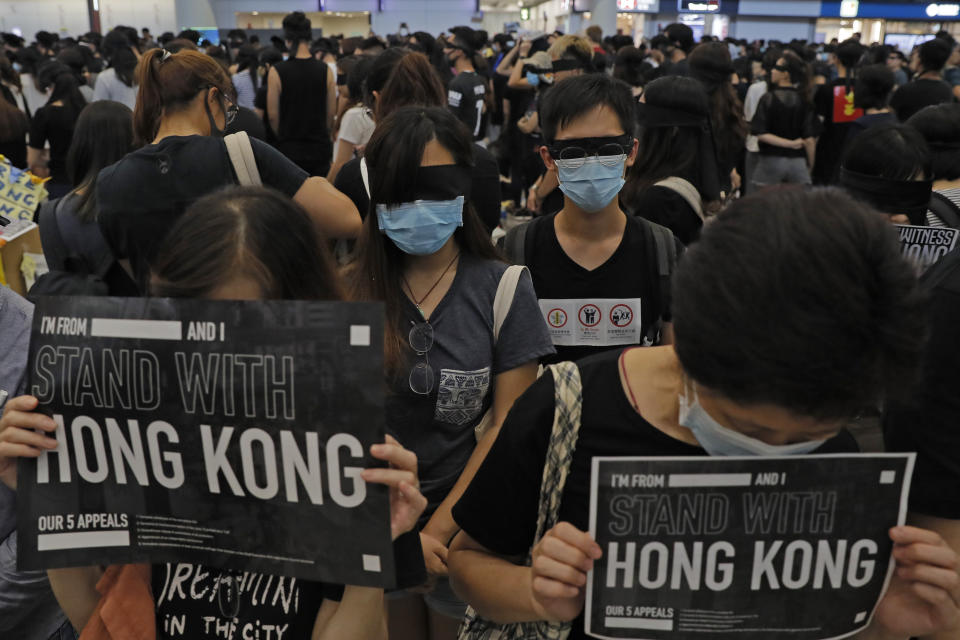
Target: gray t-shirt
[[110, 87], [439, 427], [28, 610]]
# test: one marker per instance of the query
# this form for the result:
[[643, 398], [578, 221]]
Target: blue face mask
[[533, 78], [422, 227], [593, 184], [720, 441]]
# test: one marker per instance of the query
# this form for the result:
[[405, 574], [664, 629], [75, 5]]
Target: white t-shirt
[[356, 128], [110, 87], [754, 93]]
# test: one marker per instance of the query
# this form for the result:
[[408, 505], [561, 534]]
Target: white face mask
[[720, 441]]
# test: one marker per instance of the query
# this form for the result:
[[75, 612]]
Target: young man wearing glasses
[[601, 276]]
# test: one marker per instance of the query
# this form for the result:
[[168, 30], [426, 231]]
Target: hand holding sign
[[924, 595], [559, 569], [19, 437], [406, 501]]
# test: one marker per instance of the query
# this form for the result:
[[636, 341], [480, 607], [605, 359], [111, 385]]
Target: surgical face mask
[[421, 227], [593, 182], [17, 67], [720, 441], [533, 78]]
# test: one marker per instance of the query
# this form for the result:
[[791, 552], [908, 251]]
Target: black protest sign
[[230, 434], [923, 246], [744, 548]]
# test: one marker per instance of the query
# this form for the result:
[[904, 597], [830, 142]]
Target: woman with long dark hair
[[54, 123], [786, 126], [118, 82], [71, 238], [710, 63], [425, 254], [13, 121], [247, 78], [675, 175]]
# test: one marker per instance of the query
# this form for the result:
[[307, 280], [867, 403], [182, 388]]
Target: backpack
[[660, 244], [943, 208], [78, 277]]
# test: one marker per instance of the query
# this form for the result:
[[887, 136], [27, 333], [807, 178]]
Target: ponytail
[[168, 82]]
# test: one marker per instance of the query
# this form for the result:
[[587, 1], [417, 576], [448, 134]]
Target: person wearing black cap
[[927, 86], [678, 46], [467, 92]]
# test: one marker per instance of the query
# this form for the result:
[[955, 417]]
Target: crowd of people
[[644, 183]]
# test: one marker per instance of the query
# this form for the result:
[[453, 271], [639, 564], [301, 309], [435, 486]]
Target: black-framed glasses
[[610, 151], [421, 341]]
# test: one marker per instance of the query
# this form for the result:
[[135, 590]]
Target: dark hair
[[379, 73], [849, 53], [171, 84], [371, 43], [799, 299], [711, 65], [940, 127], [270, 56], [578, 96], [116, 49], [13, 122], [296, 28], [180, 44], [595, 33], [895, 152], [669, 151], [680, 36], [248, 58], [873, 87], [8, 74], [629, 66], [103, 135], [45, 39], [426, 41], [30, 60], [66, 88], [189, 34], [228, 233], [393, 154], [413, 81], [934, 54], [799, 71]]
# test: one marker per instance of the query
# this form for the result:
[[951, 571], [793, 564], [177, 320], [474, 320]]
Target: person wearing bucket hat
[[467, 92]]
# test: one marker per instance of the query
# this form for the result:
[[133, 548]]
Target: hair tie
[[166, 56]]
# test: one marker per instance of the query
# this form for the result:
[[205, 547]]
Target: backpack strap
[[244, 162], [685, 190], [664, 247], [365, 174], [506, 291], [943, 208]]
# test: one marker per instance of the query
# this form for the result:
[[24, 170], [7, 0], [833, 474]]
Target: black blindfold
[[893, 197]]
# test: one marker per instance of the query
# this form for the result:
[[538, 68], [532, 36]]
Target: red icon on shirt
[[621, 315], [557, 318]]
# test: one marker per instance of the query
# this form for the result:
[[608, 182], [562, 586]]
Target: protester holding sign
[[747, 377], [221, 249], [451, 357], [185, 102]]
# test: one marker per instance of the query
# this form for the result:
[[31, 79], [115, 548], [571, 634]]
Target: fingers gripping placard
[[223, 433], [745, 548]]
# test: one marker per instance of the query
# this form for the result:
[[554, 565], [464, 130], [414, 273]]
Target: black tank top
[[303, 135]]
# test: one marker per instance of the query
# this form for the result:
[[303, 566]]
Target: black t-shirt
[[668, 208], [141, 196], [54, 125], [499, 508], [465, 96], [588, 312], [783, 112], [927, 423], [484, 186], [247, 120], [920, 93], [865, 122], [196, 602]]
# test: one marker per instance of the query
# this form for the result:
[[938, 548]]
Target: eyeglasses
[[609, 151], [421, 341], [230, 108]]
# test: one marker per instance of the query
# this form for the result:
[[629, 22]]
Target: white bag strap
[[506, 291], [365, 175], [241, 157], [685, 190]]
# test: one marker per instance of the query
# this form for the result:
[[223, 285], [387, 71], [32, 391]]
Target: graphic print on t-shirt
[[198, 602], [601, 322], [460, 399]]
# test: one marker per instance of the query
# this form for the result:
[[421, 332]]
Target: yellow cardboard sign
[[21, 192]]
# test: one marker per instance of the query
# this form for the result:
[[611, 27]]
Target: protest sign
[[20, 192], [745, 548], [923, 246], [230, 434]]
